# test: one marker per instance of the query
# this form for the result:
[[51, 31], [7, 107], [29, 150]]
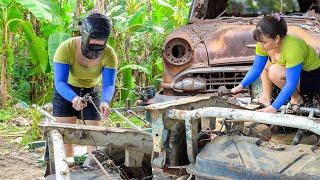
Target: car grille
[[216, 79]]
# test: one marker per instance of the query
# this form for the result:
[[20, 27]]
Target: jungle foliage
[[32, 30]]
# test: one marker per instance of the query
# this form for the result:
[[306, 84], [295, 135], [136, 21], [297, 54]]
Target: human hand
[[268, 109], [78, 103], [237, 89], [104, 109]]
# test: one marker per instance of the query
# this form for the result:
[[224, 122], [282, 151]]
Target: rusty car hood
[[229, 40], [226, 43]]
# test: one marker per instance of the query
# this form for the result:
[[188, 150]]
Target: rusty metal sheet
[[101, 136], [228, 45], [165, 105], [239, 157]]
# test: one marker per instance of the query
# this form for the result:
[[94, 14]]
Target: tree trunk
[[127, 47], [100, 6], [148, 43], [76, 14], [4, 60]]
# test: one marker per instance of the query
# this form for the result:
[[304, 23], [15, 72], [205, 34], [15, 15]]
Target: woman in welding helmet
[[79, 64], [282, 60]]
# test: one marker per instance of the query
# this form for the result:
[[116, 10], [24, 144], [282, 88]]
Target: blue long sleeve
[[292, 80], [108, 84], [255, 71], [61, 74]]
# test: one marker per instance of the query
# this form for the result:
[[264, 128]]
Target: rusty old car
[[211, 55], [216, 47]]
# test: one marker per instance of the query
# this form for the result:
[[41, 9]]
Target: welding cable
[[292, 80], [108, 83], [255, 71], [81, 112], [61, 74]]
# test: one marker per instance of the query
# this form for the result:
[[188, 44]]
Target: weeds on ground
[[34, 132], [116, 119], [6, 114], [10, 130]]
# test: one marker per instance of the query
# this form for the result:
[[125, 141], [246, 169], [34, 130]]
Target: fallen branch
[[11, 135], [100, 165]]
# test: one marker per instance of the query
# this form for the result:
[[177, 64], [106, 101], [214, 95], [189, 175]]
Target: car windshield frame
[[261, 7]]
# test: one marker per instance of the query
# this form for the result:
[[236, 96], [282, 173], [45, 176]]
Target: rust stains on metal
[[182, 49], [178, 51], [230, 42], [100, 136], [164, 105]]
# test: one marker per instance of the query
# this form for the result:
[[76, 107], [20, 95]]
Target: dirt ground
[[17, 163]]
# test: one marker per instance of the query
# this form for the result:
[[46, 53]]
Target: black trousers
[[310, 82]]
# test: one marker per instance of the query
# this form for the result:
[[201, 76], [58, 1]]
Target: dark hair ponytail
[[270, 26]]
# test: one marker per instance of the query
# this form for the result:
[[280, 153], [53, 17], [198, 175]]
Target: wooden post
[[133, 158]]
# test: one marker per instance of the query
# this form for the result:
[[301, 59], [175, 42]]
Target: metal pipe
[[136, 108], [139, 117], [61, 165], [299, 122], [127, 120], [308, 110], [192, 11], [44, 112]]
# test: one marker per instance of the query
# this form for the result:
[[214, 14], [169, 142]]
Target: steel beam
[[293, 121]]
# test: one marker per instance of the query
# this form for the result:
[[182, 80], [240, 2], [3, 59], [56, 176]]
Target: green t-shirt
[[81, 76], [295, 51]]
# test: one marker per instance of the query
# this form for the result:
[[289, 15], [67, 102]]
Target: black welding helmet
[[94, 26]]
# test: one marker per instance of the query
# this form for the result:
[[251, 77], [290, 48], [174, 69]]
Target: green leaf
[[14, 13], [127, 83], [55, 11], [5, 2], [137, 18], [39, 8], [137, 28], [28, 31], [54, 41], [72, 3], [165, 4], [135, 67], [34, 71], [37, 48], [159, 65]]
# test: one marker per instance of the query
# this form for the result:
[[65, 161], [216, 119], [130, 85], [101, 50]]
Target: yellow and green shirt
[[295, 51], [81, 76]]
